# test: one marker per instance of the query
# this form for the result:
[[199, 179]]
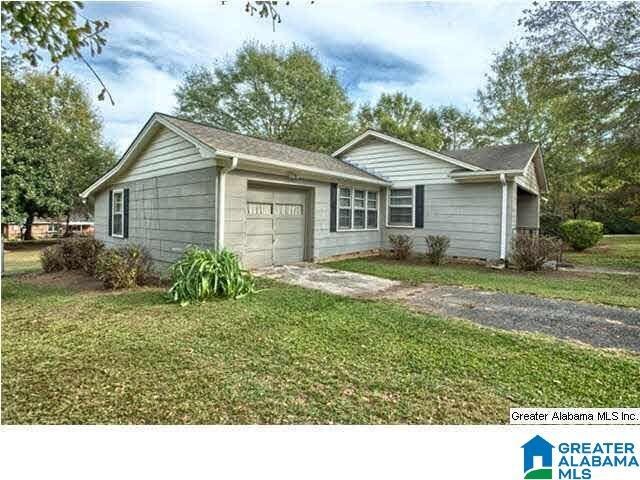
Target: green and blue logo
[[538, 448]]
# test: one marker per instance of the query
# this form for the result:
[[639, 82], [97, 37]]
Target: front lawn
[[620, 251], [24, 260], [608, 289], [283, 355]]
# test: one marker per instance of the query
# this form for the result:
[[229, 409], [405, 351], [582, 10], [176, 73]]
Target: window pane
[[358, 219], [117, 202], [359, 198], [400, 216], [372, 219], [372, 199], [117, 224], [401, 201], [344, 220], [345, 192], [345, 202], [401, 192]]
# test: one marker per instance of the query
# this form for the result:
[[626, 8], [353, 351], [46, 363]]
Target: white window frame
[[366, 209], [413, 205], [120, 191]]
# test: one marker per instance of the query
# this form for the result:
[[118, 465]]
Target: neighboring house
[[43, 228], [183, 183]]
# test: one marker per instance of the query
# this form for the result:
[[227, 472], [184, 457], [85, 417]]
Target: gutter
[[220, 209], [503, 219]]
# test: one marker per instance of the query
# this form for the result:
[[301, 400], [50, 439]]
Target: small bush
[[51, 259], [529, 252], [437, 246], [202, 274], [74, 253], [581, 234], [401, 246], [124, 267], [80, 253], [621, 226], [550, 224]]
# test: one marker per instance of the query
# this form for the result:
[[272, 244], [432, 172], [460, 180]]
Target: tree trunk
[[27, 227], [67, 232]]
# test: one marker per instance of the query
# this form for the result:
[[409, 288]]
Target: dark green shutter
[[125, 213], [419, 206], [110, 212], [333, 206]]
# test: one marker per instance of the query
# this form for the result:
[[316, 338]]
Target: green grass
[[22, 261], [611, 252], [283, 355], [607, 289]]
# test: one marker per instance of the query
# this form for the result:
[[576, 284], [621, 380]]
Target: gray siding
[[529, 179], [398, 164], [321, 243], [166, 213], [469, 214]]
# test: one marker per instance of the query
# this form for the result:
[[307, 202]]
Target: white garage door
[[275, 226]]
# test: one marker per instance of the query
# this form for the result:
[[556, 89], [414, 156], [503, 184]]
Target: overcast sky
[[436, 52]]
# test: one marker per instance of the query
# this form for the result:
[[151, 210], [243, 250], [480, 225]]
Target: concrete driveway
[[596, 325]]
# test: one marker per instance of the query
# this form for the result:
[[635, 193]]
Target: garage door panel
[[288, 255], [258, 226], [259, 242], [288, 241], [260, 196], [290, 197], [289, 225]]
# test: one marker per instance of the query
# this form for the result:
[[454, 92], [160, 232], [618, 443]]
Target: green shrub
[[581, 234], [72, 253], [529, 252], [51, 259], [202, 274], [620, 225], [80, 253], [550, 224], [124, 267], [437, 246], [401, 246]]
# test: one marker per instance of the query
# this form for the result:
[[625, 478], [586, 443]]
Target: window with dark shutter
[[110, 212]]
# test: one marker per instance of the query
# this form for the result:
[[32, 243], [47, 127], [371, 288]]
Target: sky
[[435, 52]]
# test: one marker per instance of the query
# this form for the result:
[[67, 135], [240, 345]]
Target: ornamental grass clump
[[202, 274]]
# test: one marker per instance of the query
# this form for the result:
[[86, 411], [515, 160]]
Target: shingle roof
[[499, 157], [219, 139]]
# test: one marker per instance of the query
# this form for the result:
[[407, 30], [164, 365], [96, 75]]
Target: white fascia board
[[301, 168], [485, 173], [132, 151], [402, 143]]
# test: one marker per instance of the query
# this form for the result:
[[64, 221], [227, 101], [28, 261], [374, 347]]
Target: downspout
[[221, 200], [503, 228]]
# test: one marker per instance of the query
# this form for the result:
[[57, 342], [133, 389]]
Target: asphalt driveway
[[596, 325]]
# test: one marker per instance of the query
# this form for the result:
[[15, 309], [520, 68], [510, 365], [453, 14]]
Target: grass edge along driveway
[[284, 355], [606, 289]]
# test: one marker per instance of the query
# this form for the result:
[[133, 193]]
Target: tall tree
[[460, 129], [51, 145], [399, 115], [281, 94], [593, 49], [57, 28]]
